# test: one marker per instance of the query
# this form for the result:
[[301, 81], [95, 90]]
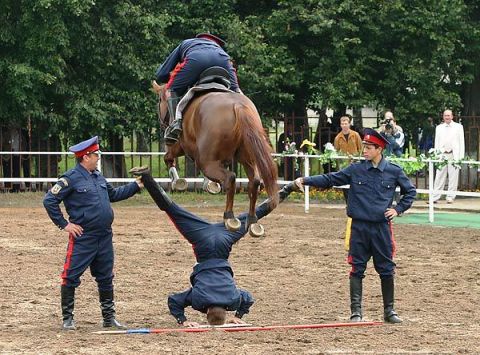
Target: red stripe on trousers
[[174, 73], [350, 261], [66, 265]]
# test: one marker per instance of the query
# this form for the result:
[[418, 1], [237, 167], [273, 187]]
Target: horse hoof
[[213, 187], [256, 230], [233, 224], [180, 185]]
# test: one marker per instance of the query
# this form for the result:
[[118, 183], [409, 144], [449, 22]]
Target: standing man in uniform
[[187, 62], [450, 142], [372, 185], [213, 290], [87, 196]]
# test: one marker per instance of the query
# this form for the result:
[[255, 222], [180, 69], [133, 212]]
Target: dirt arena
[[297, 274]]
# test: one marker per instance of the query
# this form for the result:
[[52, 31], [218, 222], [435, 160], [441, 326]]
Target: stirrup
[[172, 134]]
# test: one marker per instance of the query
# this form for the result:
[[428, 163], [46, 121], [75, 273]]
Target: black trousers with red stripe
[[371, 239], [91, 251]]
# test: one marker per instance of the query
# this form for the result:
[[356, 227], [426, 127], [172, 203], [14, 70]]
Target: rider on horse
[[188, 61]]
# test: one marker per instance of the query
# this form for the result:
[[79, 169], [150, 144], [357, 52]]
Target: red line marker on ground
[[237, 329]]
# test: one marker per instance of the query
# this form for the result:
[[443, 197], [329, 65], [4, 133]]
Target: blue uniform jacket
[[87, 200], [194, 48], [371, 189]]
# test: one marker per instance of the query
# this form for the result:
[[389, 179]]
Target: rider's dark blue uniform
[[87, 198], [189, 60]]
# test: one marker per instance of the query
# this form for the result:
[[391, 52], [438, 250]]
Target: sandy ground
[[297, 274]]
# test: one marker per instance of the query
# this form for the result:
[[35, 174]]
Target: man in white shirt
[[449, 141]]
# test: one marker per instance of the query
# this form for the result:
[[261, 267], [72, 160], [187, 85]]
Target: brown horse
[[217, 128]]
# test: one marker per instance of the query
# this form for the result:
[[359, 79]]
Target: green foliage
[[84, 67]]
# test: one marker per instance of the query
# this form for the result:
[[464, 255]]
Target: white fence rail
[[306, 164]]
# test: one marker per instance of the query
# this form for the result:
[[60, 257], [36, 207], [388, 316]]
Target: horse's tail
[[255, 142]]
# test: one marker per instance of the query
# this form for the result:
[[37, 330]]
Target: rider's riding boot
[[155, 190], [108, 310], [172, 133], [68, 302], [389, 314], [356, 299]]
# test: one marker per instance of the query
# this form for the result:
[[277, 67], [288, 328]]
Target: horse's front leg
[[254, 228], [215, 171], [173, 151]]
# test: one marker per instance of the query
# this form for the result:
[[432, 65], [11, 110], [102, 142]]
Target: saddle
[[215, 75], [211, 79]]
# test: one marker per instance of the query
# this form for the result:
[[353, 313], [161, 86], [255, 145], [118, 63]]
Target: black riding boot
[[68, 302], [108, 310], [172, 133], [356, 299], [389, 314]]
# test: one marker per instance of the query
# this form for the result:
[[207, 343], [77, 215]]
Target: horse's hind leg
[[255, 229], [215, 171]]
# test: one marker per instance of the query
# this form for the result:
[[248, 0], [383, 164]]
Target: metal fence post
[[430, 191], [307, 188]]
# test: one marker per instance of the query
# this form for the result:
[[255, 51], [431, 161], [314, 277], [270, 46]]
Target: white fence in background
[[306, 166]]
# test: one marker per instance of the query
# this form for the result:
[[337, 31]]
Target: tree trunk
[[114, 165]]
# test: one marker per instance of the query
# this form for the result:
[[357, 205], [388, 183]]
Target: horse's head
[[162, 107]]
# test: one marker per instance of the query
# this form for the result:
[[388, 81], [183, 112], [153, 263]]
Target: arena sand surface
[[297, 274]]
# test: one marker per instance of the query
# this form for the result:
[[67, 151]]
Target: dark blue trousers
[[91, 251], [187, 73], [371, 239], [209, 240]]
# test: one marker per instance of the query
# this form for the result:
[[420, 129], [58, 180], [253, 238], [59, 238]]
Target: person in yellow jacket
[[347, 142]]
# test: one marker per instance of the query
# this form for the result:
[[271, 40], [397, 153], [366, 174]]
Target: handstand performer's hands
[[236, 320], [188, 324]]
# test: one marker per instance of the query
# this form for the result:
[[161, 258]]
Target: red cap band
[[91, 149], [370, 139]]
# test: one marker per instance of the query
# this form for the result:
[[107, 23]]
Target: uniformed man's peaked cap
[[211, 37], [370, 136], [86, 147]]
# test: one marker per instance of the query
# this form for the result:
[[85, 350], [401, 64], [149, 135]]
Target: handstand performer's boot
[[285, 191], [389, 314], [172, 133], [157, 193], [68, 303], [356, 299], [107, 306]]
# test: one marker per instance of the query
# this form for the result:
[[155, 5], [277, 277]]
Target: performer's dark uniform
[[212, 277]]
